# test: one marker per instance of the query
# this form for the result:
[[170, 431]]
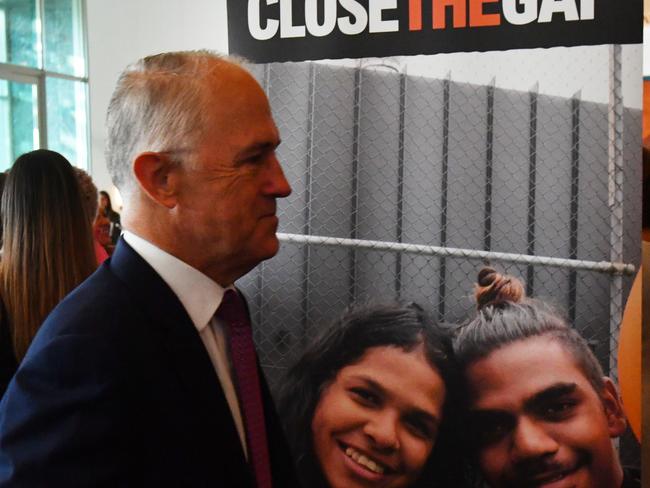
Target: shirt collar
[[199, 295]]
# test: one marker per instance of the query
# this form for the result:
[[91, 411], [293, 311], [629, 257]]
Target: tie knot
[[233, 310]]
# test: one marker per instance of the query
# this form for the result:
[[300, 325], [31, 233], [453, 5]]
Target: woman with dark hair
[[370, 403], [106, 210], [540, 412], [47, 249]]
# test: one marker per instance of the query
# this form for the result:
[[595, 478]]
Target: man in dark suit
[[145, 374]]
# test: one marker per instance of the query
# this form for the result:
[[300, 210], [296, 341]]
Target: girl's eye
[[365, 396], [420, 429]]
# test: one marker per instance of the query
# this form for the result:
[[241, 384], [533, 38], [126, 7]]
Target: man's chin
[[577, 477], [272, 252], [267, 250]]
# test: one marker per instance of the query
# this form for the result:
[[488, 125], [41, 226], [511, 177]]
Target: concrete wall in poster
[[375, 155]]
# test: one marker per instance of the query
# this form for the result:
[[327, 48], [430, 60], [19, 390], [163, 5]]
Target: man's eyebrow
[[257, 147], [551, 393]]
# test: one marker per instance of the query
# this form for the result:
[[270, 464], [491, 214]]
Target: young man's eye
[[490, 429], [492, 433], [558, 410]]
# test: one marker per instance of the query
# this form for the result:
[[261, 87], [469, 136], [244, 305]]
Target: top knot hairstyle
[[497, 289], [505, 315]]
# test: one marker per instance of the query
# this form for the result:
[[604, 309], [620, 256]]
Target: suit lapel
[[172, 326]]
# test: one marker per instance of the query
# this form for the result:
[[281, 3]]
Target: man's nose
[[531, 439], [278, 187], [383, 430]]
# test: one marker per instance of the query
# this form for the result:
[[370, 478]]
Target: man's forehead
[[231, 99], [518, 372], [240, 107], [240, 136], [227, 76]]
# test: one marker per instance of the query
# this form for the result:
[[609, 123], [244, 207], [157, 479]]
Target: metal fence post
[[575, 185], [615, 185], [400, 182], [532, 178], [306, 284], [489, 162], [354, 203], [443, 196]]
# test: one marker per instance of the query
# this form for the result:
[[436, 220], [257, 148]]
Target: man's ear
[[157, 175], [616, 421]]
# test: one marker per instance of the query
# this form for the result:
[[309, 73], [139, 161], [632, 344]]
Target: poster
[[415, 163]]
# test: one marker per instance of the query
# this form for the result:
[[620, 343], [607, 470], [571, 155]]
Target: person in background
[[47, 249], [106, 210], [146, 374], [372, 401], [102, 231], [540, 412], [89, 196]]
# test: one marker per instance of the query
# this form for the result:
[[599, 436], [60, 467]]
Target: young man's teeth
[[364, 461]]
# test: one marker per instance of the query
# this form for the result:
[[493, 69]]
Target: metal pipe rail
[[578, 264]]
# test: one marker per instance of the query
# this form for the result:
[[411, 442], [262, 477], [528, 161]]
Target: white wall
[[122, 31], [646, 50]]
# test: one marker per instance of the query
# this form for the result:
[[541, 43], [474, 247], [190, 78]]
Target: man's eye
[[364, 396], [558, 410], [490, 430], [492, 433], [254, 159]]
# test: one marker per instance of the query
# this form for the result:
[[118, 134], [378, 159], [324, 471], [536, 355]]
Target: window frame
[[38, 76]]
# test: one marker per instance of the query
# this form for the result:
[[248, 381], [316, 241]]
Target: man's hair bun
[[494, 288]]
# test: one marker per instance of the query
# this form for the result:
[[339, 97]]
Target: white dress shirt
[[201, 296]]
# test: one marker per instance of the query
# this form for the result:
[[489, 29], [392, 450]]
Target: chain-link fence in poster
[[409, 174]]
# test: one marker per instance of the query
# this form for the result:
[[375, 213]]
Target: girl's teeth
[[364, 461]]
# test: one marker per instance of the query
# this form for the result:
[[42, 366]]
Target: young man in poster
[[540, 411]]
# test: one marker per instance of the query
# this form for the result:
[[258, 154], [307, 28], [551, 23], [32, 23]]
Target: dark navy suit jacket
[[117, 389]]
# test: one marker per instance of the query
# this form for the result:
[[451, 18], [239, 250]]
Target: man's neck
[[219, 271]]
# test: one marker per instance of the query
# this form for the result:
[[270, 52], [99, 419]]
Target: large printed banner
[[297, 30]]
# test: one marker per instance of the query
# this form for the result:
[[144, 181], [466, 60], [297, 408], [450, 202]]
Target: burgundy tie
[[242, 353]]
